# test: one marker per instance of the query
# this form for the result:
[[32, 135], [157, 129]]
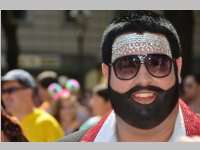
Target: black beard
[[145, 116]]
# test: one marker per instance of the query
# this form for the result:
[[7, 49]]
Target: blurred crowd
[[49, 106]]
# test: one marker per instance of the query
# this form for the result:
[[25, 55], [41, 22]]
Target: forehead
[[135, 43], [68, 103], [8, 84]]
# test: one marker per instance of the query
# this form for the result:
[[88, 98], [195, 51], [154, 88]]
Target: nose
[[143, 78]]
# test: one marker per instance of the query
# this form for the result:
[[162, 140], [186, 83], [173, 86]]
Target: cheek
[[21, 95], [166, 82], [4, 98], [72, 110], [7, 101], [14, 97], [100, 105], [91, 102], [118, 85], [68, 111], [193, 89], [97, 106], [62, 114]]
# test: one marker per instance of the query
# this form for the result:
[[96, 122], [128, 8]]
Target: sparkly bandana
[[136, 43]]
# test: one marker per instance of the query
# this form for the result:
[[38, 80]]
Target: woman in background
[[65, 111]]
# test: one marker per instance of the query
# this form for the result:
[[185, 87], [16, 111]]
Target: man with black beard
[[141, 55]]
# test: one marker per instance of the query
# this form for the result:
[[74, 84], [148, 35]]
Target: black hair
[[139, 21], [197, 77], [103, 93]]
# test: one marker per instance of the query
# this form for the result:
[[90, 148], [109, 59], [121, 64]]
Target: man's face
[[14, 96], [190, 88], [143, 77]]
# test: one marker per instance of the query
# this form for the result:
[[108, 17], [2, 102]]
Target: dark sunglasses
[[12, 90], [127, 67]]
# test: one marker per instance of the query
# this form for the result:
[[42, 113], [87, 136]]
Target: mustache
[[150, 88]]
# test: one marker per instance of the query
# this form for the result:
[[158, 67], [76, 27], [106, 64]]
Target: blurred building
[[196, 41], [49, 40], [56, 40]]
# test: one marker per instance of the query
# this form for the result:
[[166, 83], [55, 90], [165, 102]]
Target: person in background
[[74, 87], [65, 111], [10, 129], [44, 79], [18, 92], [191, 91], [99, 104]]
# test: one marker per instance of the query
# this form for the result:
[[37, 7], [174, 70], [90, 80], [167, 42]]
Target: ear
[[179, 65], [104, 68]]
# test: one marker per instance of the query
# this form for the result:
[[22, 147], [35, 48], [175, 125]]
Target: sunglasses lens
[[11, 90], [126, 67], [158, 65]]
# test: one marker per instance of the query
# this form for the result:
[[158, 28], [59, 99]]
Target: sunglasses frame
[[142, 59], [12, 90]]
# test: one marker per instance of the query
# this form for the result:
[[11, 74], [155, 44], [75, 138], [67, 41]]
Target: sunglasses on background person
[[127, 67], [12, 90]]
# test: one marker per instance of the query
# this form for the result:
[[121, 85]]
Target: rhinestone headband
[[135, 43]]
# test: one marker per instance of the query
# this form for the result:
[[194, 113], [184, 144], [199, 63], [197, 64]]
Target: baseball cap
[[20, 75]]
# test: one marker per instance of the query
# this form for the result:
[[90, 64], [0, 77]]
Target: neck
[[160, 133]]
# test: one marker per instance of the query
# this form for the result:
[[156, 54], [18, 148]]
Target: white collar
[[107, 132], [179, 128]]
